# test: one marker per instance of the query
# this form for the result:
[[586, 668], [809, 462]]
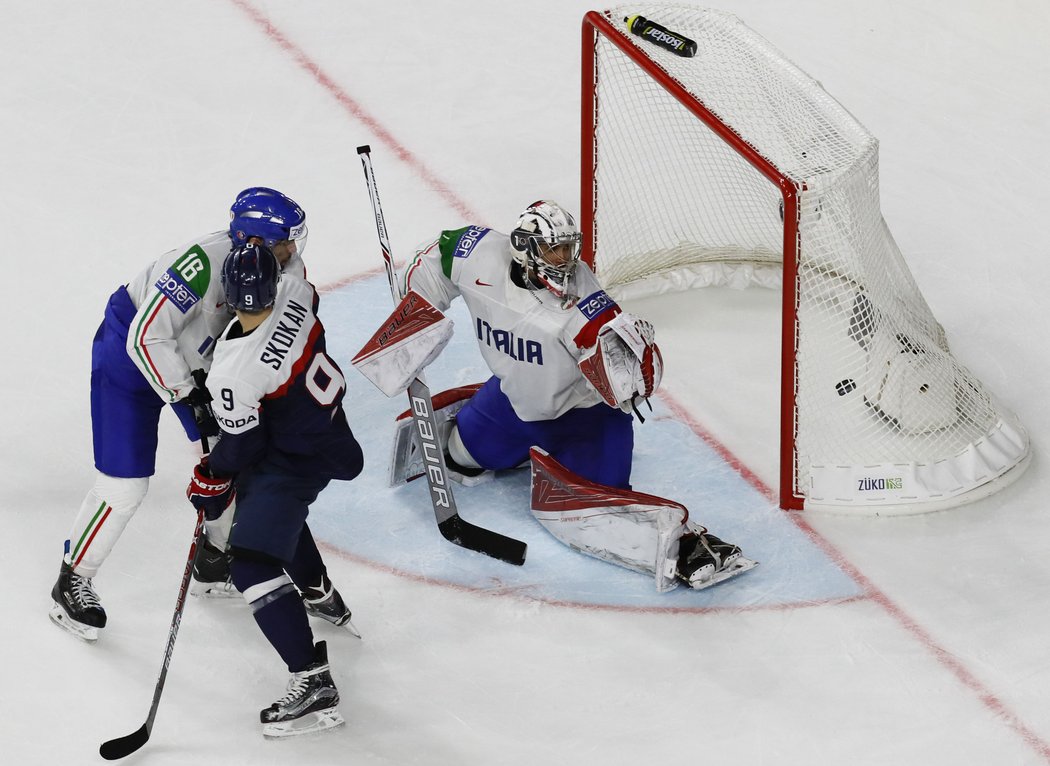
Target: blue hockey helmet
[[250, 275], [266, 213]]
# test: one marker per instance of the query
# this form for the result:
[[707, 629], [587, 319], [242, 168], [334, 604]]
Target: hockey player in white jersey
[[568, 369], [157, 329], [278, 398]]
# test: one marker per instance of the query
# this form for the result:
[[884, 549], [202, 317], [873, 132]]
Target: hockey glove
[[208, 493], [200, 401]]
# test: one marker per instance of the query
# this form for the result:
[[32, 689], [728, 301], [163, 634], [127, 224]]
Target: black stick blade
[[122, 747], [467, 535]]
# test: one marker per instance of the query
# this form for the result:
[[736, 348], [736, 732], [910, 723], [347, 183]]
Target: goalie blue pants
[[594, 442], [125, 410]]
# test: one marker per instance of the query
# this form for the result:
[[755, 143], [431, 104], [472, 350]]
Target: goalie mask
[[546, 243]]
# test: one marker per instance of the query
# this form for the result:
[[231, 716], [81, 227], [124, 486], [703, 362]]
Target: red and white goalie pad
[[631, 529], [625, 363], [406, 461], [409, 339]]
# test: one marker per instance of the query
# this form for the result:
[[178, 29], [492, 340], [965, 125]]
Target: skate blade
[[352, 629], [307, 724], [347, 625], [737, 567], [213, 590], [86, 633]]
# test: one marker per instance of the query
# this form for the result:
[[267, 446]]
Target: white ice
[[127, 127]]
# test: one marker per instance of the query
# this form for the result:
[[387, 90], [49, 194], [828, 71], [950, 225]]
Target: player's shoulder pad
[[459, 243]]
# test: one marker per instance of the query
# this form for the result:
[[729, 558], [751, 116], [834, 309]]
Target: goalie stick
[[121, 747], [452, 527]]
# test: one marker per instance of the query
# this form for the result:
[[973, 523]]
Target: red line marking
[[955, 666], [357, 111], [943, 656]]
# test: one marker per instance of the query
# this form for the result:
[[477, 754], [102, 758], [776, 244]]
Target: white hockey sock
[[458, 450], [105, 512], [217, 531]]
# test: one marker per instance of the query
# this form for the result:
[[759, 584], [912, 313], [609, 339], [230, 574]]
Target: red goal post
[[733, 167]]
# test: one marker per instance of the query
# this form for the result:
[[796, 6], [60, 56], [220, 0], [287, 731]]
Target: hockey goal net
[[733, 167]]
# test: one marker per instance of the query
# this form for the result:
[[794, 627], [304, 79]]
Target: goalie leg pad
[[634, 530], [406, 461]]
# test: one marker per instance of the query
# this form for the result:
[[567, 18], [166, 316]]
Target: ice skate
[[309, 704], [704, 560], [211, 574], [77, 607], [326, 603]]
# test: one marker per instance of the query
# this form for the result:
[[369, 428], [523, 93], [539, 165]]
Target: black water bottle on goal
[[662, 36]]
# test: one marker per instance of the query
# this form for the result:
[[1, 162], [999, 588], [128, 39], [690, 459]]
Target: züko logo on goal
[[868, 484]]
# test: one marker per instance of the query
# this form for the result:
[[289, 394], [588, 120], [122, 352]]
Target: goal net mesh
[[881, 411]]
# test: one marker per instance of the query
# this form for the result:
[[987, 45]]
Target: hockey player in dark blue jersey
[[278, 399]]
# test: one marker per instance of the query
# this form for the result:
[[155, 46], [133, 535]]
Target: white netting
[[884, 415]]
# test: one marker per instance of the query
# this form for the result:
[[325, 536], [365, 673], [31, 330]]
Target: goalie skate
[[705, 560]]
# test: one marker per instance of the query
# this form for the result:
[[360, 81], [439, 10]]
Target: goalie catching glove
[[626, 363], [410, 339]]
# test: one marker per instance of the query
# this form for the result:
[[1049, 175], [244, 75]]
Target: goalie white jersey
[[528, 338]]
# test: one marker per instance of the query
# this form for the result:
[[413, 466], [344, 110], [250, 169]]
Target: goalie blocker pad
[[634, 530], [625, 362], [408, 340]]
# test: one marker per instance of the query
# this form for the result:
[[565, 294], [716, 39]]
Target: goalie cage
[[733, 167]]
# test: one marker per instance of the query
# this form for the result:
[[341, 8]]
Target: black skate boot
[[704, 560], [77, 607], [309, 703], [211, 573], [325, 602]]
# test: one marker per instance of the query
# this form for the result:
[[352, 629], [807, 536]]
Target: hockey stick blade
[[467, 535], [121, 747]]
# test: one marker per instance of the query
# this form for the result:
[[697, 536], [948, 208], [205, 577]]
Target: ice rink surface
[[128, 127]]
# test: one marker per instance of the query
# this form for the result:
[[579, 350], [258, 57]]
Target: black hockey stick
[[121, 747], [452, 527]]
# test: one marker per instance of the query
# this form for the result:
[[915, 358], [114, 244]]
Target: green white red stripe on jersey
[[140, 346]]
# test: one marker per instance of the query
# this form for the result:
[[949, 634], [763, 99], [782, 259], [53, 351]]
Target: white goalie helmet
[[546, 243]]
